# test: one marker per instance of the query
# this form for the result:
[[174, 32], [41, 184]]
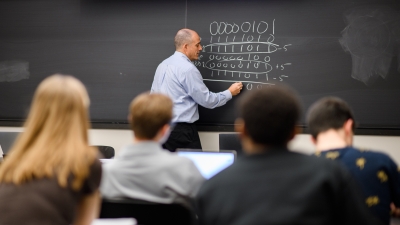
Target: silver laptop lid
[[209, 163]]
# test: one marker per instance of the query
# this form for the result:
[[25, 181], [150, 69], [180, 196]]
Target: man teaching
[[178, 78]]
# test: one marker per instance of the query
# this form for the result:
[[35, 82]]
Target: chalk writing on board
[[243, 53], [372, 38], [14, 70]]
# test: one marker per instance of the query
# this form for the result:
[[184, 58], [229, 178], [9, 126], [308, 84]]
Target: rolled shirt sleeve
[[195, 87]]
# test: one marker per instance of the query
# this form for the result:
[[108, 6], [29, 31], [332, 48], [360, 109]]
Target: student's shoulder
[[371, 155], [92, 181], [232, 175], [331, 171], [220, 182], [350, 152], [179, 168], [174, 160], [325, 163], [314, 158]]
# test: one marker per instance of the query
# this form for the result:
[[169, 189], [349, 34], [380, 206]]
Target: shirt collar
[[141, 148], [182, 55]]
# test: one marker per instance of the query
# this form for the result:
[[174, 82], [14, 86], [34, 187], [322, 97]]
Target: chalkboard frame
[[213, 128]]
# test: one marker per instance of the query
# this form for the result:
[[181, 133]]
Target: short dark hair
[[328, 113], [270, 114], [149, 113]]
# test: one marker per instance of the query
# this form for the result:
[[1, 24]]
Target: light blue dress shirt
[[178, 78]]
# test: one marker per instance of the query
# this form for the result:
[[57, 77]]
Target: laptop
[[7, 140], [209, 163]]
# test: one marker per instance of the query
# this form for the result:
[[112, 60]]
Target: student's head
[[55, 136], [60, 107], [330, 113], [267, 117], [189, 43], [150, 115]]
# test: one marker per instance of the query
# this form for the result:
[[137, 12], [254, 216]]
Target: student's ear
[[163, 133], [348, 131], [165, 129], [240, 127], [348, 126]]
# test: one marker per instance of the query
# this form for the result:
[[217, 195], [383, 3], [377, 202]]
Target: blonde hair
[[55, 140], [149, 113]]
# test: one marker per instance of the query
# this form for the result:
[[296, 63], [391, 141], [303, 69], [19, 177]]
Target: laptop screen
[[209, 163]]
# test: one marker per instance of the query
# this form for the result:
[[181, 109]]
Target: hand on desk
[[235, 88]]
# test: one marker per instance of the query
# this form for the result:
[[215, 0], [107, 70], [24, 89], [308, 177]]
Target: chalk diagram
[[372, 37], [243, 53]]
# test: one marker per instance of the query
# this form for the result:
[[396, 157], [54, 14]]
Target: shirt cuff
[[227, 94]]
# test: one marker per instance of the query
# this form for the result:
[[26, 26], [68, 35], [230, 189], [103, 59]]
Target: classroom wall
[[209, 140]]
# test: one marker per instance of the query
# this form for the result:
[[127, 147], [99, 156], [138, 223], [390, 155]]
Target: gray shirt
[[147, 172]]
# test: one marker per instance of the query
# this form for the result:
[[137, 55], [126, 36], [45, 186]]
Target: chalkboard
[[348, 49], [344, 48], [113, 47]]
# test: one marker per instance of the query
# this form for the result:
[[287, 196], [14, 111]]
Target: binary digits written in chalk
[[243, 53]]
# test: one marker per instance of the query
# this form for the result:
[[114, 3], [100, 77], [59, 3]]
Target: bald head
[[188, 42], [184, 36]]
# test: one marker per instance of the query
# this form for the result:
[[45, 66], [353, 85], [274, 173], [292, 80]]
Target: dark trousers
[[183, 135]]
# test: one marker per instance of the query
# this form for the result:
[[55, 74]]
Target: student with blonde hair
[[51, 175]]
